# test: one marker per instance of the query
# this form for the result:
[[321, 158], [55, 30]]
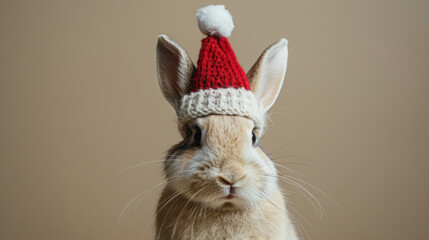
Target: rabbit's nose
[[230, 180], [225, 180]]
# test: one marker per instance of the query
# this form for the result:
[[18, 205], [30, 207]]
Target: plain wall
[[79, 102]]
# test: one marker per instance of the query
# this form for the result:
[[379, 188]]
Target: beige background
[[79, 102]]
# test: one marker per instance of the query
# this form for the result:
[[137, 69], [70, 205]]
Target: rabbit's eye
[[197, 136], [254, 139]]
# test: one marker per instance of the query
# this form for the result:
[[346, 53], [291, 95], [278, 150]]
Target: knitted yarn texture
[[219, 85], [221, 101], [218, 67]]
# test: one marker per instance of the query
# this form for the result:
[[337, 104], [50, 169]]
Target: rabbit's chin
[[232, 204]]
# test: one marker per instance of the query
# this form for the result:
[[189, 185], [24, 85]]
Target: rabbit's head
[[219, 163]]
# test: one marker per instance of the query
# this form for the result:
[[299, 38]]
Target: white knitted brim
[[221, 101]]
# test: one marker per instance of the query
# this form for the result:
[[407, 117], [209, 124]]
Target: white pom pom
[[215, 20]]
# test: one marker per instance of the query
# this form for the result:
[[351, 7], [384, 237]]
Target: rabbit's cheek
[[258, 167], [257, 159]]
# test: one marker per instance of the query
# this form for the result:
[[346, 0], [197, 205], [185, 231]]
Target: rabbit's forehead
[[225, 125], [226, 134]]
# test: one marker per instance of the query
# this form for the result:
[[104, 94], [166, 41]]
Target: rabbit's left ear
[[267, 74], [175, 70]]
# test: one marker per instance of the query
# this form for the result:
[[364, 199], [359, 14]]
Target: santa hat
[[220, 85]]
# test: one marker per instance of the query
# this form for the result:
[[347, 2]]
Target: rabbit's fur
[[197, 202]]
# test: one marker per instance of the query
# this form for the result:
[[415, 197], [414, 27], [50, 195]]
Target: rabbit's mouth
[[216, 192], [230, 196], [231, 192], [235, 199]]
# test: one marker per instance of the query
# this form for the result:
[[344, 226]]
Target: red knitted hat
[[218, 67], [220, 85]]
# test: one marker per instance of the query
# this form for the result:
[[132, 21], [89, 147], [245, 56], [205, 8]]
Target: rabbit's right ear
[[175, 70], [267, 74]]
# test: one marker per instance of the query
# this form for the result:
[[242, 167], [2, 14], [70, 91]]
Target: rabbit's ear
[[267, 74], [175, 70]]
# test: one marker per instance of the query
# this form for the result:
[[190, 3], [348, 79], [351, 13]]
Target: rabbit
[[220, 184]]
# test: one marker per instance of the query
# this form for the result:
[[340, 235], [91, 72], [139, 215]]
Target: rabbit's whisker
[[315, 188], [299, 225], [299, 214], [266, 196], [169, 200], [163, 220], [140, 164], [306, 191], [196, 206], [137, 196], [180, 214], [302, 190], [283, 146]]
